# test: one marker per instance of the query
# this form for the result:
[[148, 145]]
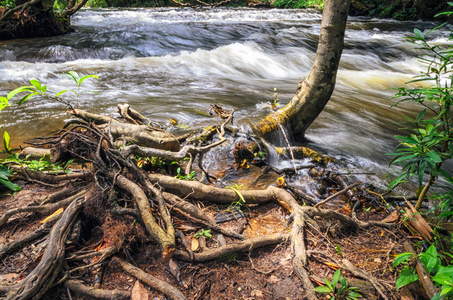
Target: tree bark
[[314, 91]]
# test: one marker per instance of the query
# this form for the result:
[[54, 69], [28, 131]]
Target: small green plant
[[203, 232], [240, 203], [5, 172], [38, 89], [343, 292], [339, 252], [191, 176], [441, 275]]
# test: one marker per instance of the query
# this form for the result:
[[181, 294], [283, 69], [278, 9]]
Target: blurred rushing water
[[174, 63]]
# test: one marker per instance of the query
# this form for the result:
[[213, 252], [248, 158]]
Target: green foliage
[[7, 3], [203, 232], [343, 292], [38, 89], [191, 176], [5, 172], [6, 142], [240, 203], [97, 3], [298, 3], [442, 276], [430, 144]]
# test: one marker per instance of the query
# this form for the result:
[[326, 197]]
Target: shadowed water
[[174, 63]]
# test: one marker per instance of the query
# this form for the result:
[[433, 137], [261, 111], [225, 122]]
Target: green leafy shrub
[[343, 292], [425, 151], [442, 276]]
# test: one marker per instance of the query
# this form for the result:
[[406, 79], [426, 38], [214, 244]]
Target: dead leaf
[[194, 246], [332, 266], [392, 218], [139, 292], [257, 293], [414, 218], [56, 213], [274, 279]]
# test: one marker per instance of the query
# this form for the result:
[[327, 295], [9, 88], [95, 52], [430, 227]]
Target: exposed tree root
[[20, 242], [43, 209], [42, 277], [79, 287], [124, 198], [241, 246], [155, 283]]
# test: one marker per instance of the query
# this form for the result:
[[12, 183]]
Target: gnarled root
[[78, 287], [42, 277], [155, 283]]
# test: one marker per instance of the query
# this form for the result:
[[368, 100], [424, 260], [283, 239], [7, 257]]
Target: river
[[175, 62]]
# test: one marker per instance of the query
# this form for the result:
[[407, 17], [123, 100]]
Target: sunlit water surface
[[174, 63]]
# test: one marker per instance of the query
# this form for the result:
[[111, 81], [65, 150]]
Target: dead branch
[[78, 287], [133, 133], [338, 194], [49, 178], [155, 283]]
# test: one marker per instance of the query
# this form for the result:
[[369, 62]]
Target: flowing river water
[[174, 63]]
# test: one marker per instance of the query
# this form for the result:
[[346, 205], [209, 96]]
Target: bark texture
[[314, 91]]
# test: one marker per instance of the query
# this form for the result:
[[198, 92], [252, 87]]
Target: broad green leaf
[[421, 172], [329, 285], [6, 141], [36, 83], [434, 156], [354, 295], [397, 180], [61, 93], [72, 75], [12, 186], [4, 172], [406, 277], [420, 116], [322, 289], [429, 258], [401, 258], [442, 279], [85, 77], [20, 90], [446, 290], [336, 277], [3, 102], [25, 98]]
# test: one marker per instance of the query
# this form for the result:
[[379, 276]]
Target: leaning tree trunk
[[314, 91]]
